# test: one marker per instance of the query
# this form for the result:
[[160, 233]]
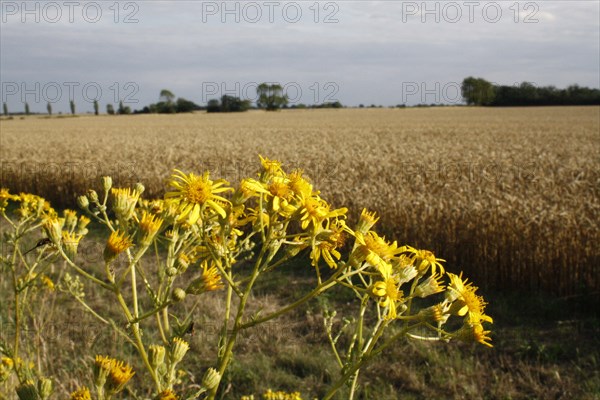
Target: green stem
[[82, 272], [166, 326], [315, 292], [161, 330], [17, 311], [151, 312], [230, 342], [138, 339], [367, 356], [334, 348], [353, 385]]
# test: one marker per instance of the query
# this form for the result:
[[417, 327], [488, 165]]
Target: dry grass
[[509, 195]]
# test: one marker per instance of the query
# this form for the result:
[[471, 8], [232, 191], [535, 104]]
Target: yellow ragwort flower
[[464, 300], [117, 243], [423, 259], [282, 193], [7, 362], [149, 224], [194, 194], [209, 280], [5, 196], [81, 394], [271, 167], [301, 187], [315, 210], [167, 394], [327, 242], [120, 373], [48, 283], [281, 395], [473, 333], [251, 187], [388, 294], [375, 250]]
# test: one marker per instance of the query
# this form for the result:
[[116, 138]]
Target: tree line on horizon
[[480, 92], [475, 91]]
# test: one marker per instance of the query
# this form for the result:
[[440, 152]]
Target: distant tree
[[110, 110], [334, 104], [49, 108], [183, 105], [96, 107], [167, 107], [213, 105], [26, 108], [228, 104], [123, 110], [166, 96], [527, 94], [270, 96], [72, 105], [5, 109], [361, 106], [477, 91], [233, 104]]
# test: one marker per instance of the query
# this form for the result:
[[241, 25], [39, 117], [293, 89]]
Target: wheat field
[[511, 196]]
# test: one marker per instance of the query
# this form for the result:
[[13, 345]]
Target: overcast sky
[[381, 52]]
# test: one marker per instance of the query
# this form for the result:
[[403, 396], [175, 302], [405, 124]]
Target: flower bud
[[93, 196], [53, 229], [83, 202], [40, 206], [366, 221], [437, 313], [171, 271], [27, 391], [178, 295], [106, 183], [178, 350], [211, 379], [70, 242], [82, 225], [157, 355], [428, 287], [139, 188], [70, 220], [44, 388], [183, 262]]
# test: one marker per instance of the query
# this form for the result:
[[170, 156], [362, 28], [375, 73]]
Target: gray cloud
[[373, 51]]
